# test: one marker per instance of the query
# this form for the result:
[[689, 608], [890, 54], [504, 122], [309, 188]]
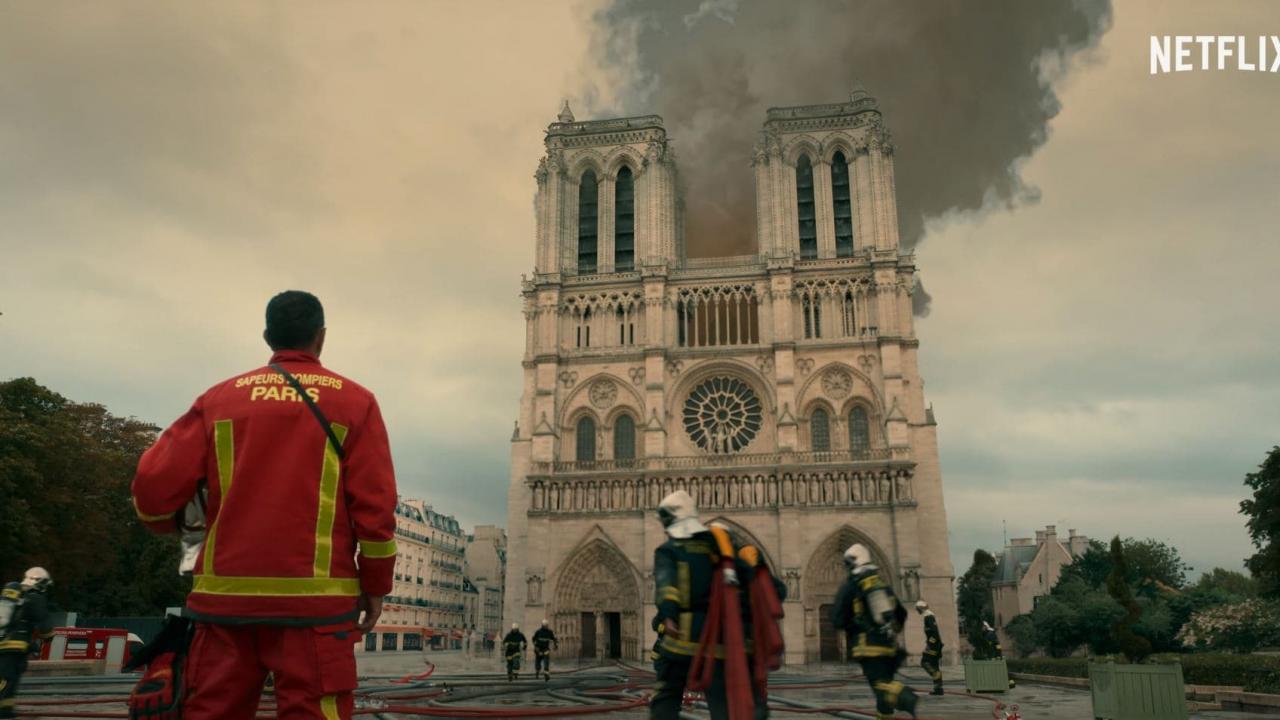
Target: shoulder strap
[[315, 409]]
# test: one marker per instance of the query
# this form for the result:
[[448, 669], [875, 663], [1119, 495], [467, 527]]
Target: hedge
[[1256, 673]]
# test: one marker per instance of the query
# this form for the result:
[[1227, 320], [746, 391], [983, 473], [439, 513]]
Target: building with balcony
[[426, 606], [780, 389]]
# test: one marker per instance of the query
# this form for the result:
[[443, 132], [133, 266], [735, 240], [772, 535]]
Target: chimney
[[1039, 537]]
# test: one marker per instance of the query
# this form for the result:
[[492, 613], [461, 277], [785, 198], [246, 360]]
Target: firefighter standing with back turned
[[543, 640], [871, 616], [932, 655], [513, 646], [684, 570], [24, 622], [300, 546]]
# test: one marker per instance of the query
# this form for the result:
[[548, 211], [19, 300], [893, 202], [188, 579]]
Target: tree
[[1263, 511], [1057, 626], [65, 470], [1153, 565], [973, 595], [1135, 647], [1091, 568], [1233, 583], [1022, 631]]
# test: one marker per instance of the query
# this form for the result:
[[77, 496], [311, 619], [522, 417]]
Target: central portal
[[597, 605]]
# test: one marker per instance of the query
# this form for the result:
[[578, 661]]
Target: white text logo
[[1215, 52]]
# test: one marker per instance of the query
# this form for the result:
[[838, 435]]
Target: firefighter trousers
[[541, 662], [314, 669], [930, 664], [890, 694], [673, 676], [12, 664]]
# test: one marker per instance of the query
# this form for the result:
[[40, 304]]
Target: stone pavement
[[1034, 702]]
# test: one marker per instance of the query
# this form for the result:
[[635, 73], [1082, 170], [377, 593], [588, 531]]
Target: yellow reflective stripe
[[329, 707], [328, 501], [224, 447], [212, 585], [11, 594], [149, 518], [375, 549], [14, 645]]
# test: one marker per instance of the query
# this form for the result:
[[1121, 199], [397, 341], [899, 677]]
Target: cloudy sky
[[1099, 244]]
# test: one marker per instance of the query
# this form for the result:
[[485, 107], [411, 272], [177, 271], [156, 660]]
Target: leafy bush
[[1256, 673], [1241, 627], [1135, 647]]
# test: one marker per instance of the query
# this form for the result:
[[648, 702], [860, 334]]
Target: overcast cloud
[[1102, 359]]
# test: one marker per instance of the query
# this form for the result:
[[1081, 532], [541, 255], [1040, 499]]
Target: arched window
[[859, 430], [805, 209], [819, 431], [840, 202], [587, 222], [624, 208], [585, 436], [812, 308], [624, 438]]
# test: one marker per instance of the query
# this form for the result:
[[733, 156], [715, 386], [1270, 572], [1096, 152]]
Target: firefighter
[[932, 655], [543, 640], [300, 540], [513, 646], [872, 618], [991, 641], [684, 567], [27, 623]]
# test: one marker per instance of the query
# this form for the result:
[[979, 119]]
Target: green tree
[[1022, 632], [1153, 565], [1263, 511], [1091, 568], [1097, 613], [65, 470], [973, 596], [1135, 647], [1233, 583], [1057, 626]]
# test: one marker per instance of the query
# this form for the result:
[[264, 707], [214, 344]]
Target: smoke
[[966, 88]]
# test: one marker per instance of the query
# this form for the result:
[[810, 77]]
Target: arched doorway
[[597, 604], [823, 576]]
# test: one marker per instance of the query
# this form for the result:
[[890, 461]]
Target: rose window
[[722, 415]]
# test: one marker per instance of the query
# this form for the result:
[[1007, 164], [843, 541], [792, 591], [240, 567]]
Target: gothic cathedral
[[780, 389]]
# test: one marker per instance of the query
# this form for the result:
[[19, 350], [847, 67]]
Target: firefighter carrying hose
[[702, 634], [299, 548], [543, 640], [872, 618], [932, 655], [513, 646], [24, 622]]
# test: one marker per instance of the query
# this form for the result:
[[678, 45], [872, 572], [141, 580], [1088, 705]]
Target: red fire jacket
[[286, 518]]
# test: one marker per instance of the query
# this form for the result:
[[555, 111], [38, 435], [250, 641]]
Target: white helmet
[[515, 626], [544, 622], [37, 578], [985, 626], [679, 515], [921, 606], [857, 556]]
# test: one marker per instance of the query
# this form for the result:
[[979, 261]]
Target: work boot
[[937, 690], [907, 700]]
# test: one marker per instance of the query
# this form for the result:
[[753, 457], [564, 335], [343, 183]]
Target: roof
[[1013, 563]]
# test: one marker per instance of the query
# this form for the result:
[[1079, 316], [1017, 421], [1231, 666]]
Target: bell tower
[[606, 198]]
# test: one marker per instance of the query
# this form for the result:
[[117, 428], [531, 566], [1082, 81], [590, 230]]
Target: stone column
[[824, 210], [863, 201], [764, 209], [604, 224]]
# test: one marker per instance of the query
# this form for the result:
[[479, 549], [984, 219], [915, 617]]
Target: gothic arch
[[763, 441], [596, 580], [837, 142], [872, 397], [623, 155], [825, 572], [584, 161], [804, 145], [726, 366], [578, 401]]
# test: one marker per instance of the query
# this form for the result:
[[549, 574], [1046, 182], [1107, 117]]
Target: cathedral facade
[[780, 389]]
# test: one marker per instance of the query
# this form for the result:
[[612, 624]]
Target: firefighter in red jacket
[[300, 542]]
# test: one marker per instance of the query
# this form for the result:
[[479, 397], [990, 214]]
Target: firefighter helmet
[[37, 578]]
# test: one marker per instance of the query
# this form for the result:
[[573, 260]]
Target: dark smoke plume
[[965, 87]]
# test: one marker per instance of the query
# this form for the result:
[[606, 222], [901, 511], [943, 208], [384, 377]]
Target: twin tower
[[780, 389]]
